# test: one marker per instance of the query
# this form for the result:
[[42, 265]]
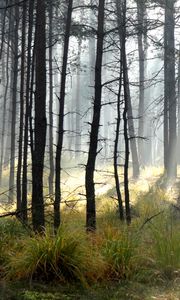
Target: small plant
[[120, 252]]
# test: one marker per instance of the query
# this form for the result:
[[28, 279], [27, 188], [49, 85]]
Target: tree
[[22, 84], [127, 101], [141, 9], [51, 156], [92, 153], [14, 100], [170, 135], [58, 192], [40, 119]]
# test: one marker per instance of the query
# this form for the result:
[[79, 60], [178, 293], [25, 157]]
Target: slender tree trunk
[[116, 146], [90, 167], [51, 156], [92, 58], [14, 103], [141, 14], [78, 85], [132, 135], [28, 80], [170, 144], [20, 153], [5, 101], [3, 30], [127, 114], [179, 106], [58, 193], [40, 119]]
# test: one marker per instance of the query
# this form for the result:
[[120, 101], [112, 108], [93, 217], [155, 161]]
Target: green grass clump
[[10, 233], [165, 247], [119, 248], [66, 257], [48, 257]]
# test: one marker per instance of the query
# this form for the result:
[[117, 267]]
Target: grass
[[117, 262]]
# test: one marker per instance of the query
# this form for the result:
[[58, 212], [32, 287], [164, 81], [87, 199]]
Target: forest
[[89, 149]]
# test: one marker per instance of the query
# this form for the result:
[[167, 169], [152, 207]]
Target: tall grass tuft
[[165, 246], [66, 257], [120, 252]]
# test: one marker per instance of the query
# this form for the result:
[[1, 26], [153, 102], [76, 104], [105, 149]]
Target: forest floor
[[110, 291], [149, 195]]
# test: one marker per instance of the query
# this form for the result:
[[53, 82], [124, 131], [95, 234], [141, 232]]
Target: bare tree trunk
[[58, 193], [14, 103], [170, 142], [178, 107], [51, 156], [121, 16], [20, 153], [90, 167], [28, 79], [5, 100], [125, 115], [78, 85], [3, 29], [132, 136], [116, 146], [40, 119], [92, 59], [141, 14]]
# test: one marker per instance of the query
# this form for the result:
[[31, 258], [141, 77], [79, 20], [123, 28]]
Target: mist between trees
[[85, 84]]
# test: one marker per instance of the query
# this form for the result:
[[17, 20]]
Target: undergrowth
[[147, 250]]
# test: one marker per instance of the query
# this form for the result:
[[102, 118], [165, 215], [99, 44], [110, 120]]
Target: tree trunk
[[116, 144], [132, 136], [90, 167], [58, 193], [14, 103], [51, 156], [20, 153], [28, 79], [78, 95], [141, 51], [170, 142], [121, 15], [5, 101], [40, 119], [179, 106]]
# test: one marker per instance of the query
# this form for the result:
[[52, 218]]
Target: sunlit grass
[[149, 249]]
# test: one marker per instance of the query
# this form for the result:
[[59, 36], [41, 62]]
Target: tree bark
[[28, 79], [132, 136], [40, 119], [90, 166], [58, 192], [141, 51], [170, 130], [116, 146], [14, 103], [20, 152], [5, 100], [51, 156]]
